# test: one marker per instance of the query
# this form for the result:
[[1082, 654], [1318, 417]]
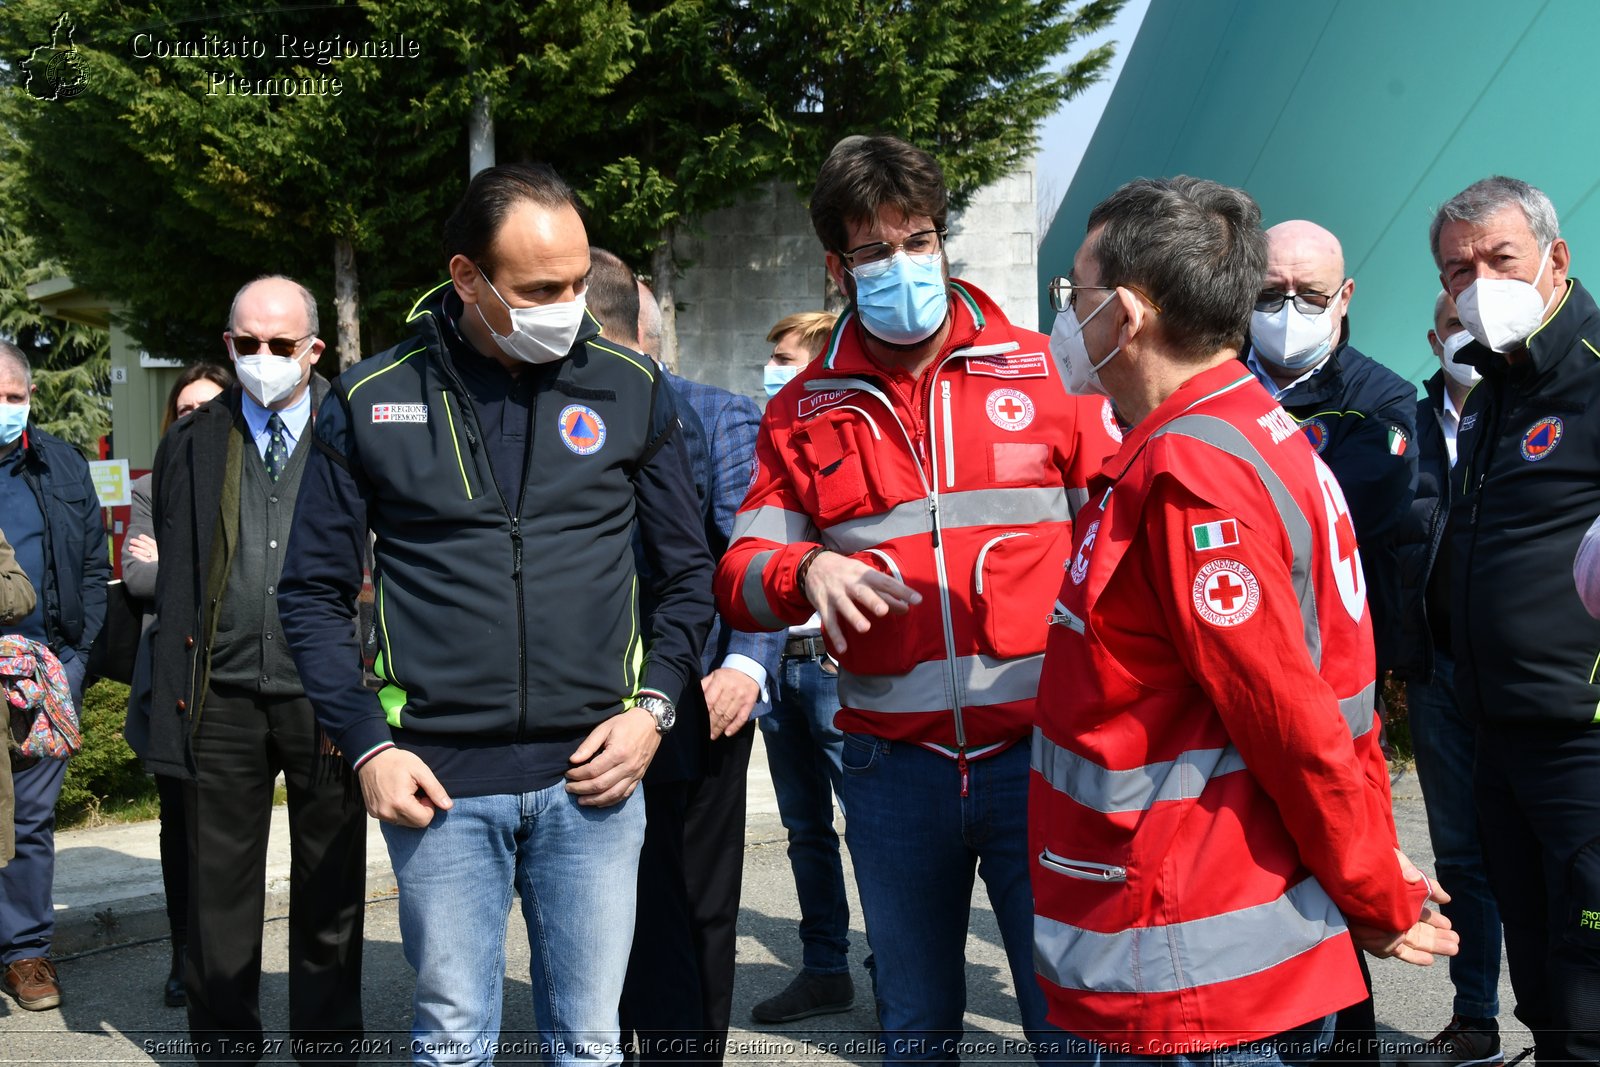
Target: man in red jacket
[[915, 486], [1209, 808]]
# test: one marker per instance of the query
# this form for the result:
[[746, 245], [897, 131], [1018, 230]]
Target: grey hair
[[1483, 198], [1194, 248], [18, 359], [305, 294]]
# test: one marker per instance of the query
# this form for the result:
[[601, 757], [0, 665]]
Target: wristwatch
[[661, 710]]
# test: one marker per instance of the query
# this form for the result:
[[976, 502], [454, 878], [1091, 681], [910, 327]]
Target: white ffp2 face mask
[[268, 378], [1461, 373], [1501, 313], [1291, 339], [540, 334], [1079, 373]]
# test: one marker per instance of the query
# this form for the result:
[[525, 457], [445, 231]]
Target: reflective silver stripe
[[1227, 437], [773, 524], [983, 680], [1186, 955], [755, 597], [1134, 789], [976, 507], [1359, 711], [1140, 788], [1076, 499]]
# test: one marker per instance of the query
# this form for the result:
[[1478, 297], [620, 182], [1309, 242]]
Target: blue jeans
[[27, 883], [1292, 1048], [1445, 745], [916, 843], [575, 869], [803, 757]]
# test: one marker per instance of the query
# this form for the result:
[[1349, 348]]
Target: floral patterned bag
[[44, 724]]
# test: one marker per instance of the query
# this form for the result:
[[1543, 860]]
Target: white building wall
[[749, 265]]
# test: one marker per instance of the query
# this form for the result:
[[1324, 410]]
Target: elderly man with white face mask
[[1357, 414], [1528, 470]]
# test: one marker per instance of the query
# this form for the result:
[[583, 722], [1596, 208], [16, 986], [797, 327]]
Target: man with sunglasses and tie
[[1360, 417], [228, 712], [915, 486]]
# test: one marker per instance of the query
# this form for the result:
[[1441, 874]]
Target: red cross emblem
[[1010, 409], [1225, 592]]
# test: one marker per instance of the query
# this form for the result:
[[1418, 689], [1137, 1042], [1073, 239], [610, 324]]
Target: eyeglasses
[[1064, 293], [245, 345], [1307, 303], [870, 260]]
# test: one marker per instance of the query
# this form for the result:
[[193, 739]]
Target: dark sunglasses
[[245, 345]]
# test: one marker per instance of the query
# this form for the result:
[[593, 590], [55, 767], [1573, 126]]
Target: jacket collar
[[976, 319], [1195, 393], [1325, 382], [442, 308]]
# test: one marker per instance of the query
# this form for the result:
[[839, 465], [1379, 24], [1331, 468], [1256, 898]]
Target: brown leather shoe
[[33, 982]]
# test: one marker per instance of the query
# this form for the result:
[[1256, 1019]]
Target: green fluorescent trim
[[351, 394], [391, 697], [451, 421], [1319, 414], [616, 352], [1591, 348], [633, 659], [1552, 317], [414, 313]]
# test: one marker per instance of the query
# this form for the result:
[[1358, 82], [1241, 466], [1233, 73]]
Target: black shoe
[[1463, 1043], [174, 995], [809, 994]]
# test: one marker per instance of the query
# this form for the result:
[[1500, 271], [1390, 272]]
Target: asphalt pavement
[[112, 955]]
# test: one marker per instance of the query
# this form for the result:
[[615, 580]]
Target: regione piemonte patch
[[1010, 409], [399, 413], [1225, 592], [582, 429]]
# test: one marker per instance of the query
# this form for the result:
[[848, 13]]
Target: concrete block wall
[[747, 266]]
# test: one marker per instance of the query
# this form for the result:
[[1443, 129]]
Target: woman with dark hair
[[198, 384]]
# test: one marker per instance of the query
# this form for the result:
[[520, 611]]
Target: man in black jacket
[[1525, 647], [227, 710], [52, 519], [1445, 739], [502, 458], [1357, 413]]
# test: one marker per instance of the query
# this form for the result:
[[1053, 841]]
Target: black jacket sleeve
[[322, 574], [677, 558]]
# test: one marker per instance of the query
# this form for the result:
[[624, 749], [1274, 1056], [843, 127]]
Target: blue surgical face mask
[[905, 303], [13, 420], [774, 378]]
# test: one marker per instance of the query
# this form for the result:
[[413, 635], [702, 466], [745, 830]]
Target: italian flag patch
[[1397, 441], [1215, 534]]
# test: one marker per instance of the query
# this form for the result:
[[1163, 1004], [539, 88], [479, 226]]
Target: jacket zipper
[[469, 417], [949, 436], [942, 573], [1083, 869], [1480, 449]]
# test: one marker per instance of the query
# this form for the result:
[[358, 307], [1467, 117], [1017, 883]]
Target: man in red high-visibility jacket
[[926, 465], [1209, 809]]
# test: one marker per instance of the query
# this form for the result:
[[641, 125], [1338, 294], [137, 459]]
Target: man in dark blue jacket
[[503, 458], [1443, 737], [52, 519]]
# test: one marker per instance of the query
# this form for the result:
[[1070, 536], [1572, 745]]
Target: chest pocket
[[838, 451]]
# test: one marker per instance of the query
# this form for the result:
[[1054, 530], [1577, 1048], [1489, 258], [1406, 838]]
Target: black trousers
[[1538, 792], [174, 855], [678, 994], [242, 742]]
